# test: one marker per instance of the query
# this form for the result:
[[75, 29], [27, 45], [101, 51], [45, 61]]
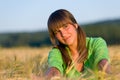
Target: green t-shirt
[[97, 50]]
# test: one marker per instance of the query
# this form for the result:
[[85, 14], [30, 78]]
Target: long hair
[[55, 21]]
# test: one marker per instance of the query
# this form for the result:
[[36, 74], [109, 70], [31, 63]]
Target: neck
[[73, 49], [74, 52]]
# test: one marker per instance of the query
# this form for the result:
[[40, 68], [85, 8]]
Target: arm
[[104, 65], [52, 72], [101, 55]]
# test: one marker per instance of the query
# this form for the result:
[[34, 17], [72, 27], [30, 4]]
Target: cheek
[[73, 31], [74, 34], [58, 37]]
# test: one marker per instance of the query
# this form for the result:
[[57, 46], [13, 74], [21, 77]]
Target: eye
[[66, 27], [57, 31]]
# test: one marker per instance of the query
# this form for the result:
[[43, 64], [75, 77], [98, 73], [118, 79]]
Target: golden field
[[21, 62]]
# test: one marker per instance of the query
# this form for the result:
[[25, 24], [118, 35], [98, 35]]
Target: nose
[[63, 32]]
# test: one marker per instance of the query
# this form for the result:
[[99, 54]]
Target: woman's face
[[67, 34]]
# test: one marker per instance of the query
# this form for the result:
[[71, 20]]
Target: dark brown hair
[[55, 21]]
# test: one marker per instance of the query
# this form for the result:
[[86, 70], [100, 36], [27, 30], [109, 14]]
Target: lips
[[66, 39]]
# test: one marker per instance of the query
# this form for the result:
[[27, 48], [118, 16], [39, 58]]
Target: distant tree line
[[33, 39], [109, 30]]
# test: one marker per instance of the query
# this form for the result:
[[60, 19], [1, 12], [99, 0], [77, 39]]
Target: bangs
[[57, 23]]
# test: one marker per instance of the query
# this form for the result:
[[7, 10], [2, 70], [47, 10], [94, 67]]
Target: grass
[[21, 62]]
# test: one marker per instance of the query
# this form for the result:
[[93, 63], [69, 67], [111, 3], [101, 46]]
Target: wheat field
[[20, 63]]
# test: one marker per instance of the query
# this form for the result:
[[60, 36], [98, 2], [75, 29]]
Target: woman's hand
[[52, 72], [105, 66], [34, 77]]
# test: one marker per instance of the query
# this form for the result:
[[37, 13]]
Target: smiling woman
[[74, 54]]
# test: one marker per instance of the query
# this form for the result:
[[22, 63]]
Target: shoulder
[[54, 49], [94, 41], [96, 44], [54, 52]]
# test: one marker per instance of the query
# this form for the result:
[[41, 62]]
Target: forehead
[[60, 23]]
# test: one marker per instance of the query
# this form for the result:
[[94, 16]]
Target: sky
[[32, 15]]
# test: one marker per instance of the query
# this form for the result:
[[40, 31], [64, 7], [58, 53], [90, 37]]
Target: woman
[[73, 53]]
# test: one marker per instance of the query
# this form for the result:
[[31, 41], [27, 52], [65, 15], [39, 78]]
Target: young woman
[[73, 53]]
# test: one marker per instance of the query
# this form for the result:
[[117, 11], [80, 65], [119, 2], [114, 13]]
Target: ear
[[76, 26]]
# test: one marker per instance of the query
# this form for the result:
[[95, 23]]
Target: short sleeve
[[100, 51], [55, 59]]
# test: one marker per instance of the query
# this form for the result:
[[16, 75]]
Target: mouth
[[66, 39]]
